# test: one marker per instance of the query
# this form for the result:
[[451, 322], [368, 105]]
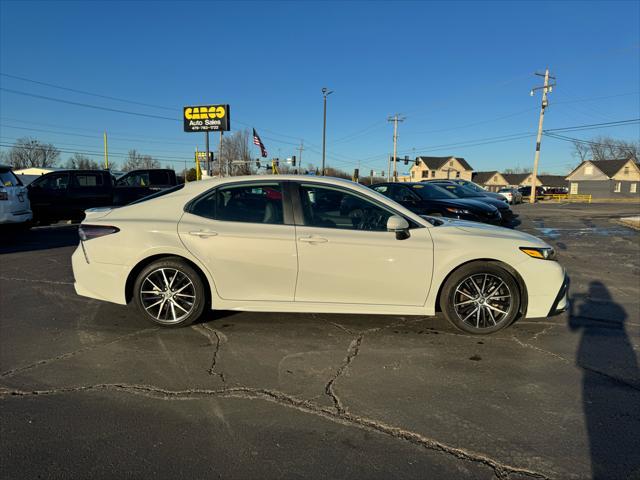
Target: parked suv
[[65, 195], [14, 201], [475, 187]]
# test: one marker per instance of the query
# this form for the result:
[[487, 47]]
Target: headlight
[[458, 211], [541, 253]]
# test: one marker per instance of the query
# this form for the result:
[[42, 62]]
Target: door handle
[[313, 240], [203, 233]]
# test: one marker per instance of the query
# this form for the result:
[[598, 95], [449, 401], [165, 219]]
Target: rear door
[[89, 190], [244, 234]]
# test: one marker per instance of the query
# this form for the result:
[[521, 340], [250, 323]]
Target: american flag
[[258, 142]]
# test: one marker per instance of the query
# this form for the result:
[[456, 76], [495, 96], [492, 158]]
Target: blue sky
[[460, 72]]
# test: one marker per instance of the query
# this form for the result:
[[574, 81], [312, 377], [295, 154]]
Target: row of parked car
[[459, 199], [66, 194]]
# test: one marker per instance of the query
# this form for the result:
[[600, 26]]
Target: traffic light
[[406, 159], [257, 163], [277, 162], [371, 174], [293, 161]]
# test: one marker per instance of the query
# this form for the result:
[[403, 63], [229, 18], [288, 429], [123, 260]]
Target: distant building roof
[[483, 177], [436, 163], [608, 167], [515, 178], [551, 181]]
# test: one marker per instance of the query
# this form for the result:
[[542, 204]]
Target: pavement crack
[[215, 338], [542, 332], [34, 280], [352, 352], [64, 356], [501, 470], [538, 349]]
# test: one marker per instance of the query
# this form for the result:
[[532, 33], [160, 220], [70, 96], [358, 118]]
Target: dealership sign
[[207, 118]]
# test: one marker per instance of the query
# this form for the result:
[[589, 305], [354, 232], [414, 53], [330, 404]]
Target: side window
[[54, 182], [159, 177], [135, 180], [88, 180], [334, 208], [255, 203]]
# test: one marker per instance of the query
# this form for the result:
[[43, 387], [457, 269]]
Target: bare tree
[[29, 152], [605, 148], [235, 157], [82, 162], [136, 161], [517, 170]]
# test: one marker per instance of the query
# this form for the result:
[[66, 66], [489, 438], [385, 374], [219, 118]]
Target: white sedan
[[309, 244]]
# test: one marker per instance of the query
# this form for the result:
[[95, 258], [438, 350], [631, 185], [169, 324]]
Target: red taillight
[[87, 232]]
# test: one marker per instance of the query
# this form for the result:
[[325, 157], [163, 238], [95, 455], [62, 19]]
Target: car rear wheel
[[170, 293], [480, 298]]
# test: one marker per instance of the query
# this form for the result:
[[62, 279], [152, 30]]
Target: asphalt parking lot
[[88, 389]]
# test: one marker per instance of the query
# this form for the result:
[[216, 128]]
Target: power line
[[595, 125], [83, 92], [87, 105]]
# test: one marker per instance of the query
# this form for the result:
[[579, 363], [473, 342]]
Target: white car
[[14, 200], [309, 244], [512, 195]]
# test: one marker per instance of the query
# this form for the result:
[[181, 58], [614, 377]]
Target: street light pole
[[325, 92]]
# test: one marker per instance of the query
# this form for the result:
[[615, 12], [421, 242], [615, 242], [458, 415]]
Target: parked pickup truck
[[66, 194]]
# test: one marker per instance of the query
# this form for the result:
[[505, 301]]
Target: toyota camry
[[310, 244]]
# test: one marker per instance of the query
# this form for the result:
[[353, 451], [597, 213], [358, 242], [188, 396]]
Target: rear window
[[8, 179], [88, 180]]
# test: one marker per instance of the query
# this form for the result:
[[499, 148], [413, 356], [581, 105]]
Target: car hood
[[486, 230]]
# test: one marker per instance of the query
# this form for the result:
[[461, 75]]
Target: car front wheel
[[170, 293], [480, 298]]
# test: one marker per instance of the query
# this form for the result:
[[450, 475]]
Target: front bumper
[[561, 303]]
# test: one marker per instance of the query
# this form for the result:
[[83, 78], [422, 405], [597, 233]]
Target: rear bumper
[[101, 281], [561, 303]]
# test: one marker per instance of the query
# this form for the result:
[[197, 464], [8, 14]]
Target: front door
[[346, 255], [239, 232]]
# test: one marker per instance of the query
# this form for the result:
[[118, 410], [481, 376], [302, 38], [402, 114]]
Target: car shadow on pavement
[[610, 383], [13, 239]]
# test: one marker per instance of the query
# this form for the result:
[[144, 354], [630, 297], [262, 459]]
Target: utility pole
[[106, 152], [546, 89], [395, 119], [206, 146], [300, 149], [325, 93]]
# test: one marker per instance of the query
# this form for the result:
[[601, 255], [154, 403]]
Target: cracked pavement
[[89, 389]]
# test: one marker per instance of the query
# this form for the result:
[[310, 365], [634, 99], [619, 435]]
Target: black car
[[66, 194], [466, 193], [428, 199], [526, 191]]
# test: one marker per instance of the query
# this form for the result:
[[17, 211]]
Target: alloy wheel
[[482, 300], [168, 295]]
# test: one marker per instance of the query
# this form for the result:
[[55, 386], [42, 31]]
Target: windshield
[[459, 191], [431, 192], [472, 186], [504, 190]]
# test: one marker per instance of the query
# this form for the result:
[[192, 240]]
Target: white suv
[[14, 200]]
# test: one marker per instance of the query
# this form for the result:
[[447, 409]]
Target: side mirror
[[399, 225]]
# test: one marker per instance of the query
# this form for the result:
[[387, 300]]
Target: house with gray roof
[[606, 179]]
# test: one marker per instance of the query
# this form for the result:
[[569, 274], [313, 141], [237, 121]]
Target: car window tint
[[334, 208], [159, 177], [88, 180], [54, 182], [255, 203]]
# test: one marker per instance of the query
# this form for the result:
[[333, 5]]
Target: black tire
[[173, 306], [480, 310]]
